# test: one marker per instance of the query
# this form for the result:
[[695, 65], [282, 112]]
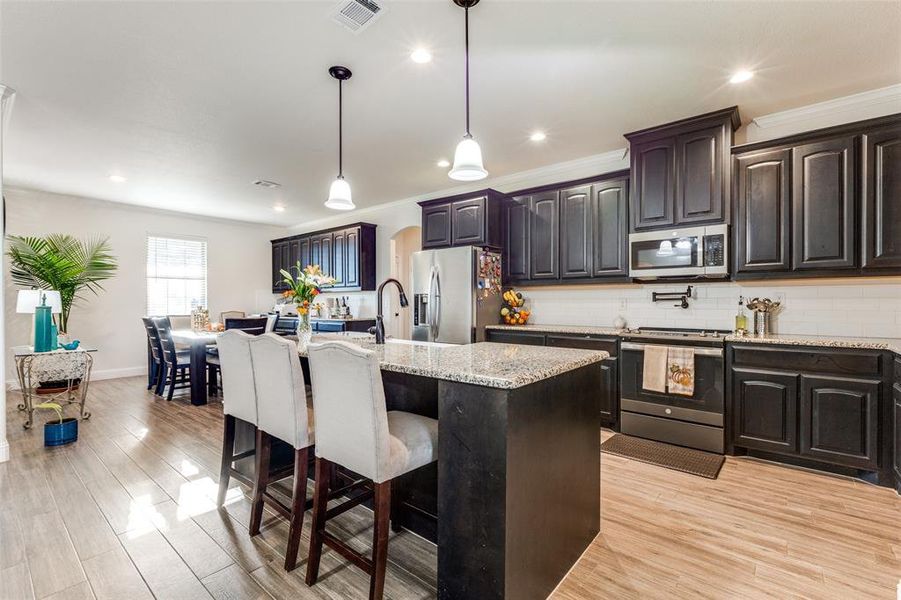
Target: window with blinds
[[176, 275]]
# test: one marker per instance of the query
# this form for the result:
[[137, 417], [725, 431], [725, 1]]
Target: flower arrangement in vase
[[303, 289]]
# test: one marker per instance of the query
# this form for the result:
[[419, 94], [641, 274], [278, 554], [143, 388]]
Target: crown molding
[[596, 164], [856, 107]]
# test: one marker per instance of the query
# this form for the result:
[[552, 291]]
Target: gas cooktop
[[672, 334]]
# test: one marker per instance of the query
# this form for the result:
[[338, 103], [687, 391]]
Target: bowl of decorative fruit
[[514, 311]]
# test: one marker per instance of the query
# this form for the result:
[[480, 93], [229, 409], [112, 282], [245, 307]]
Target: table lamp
[[43, 304]]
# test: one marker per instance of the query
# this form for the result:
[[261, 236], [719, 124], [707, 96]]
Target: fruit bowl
[[514, 311]]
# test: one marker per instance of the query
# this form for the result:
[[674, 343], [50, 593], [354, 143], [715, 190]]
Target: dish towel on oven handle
[[681, 371], [655, 371]]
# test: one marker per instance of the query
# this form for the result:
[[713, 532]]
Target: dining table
[[198, 342]]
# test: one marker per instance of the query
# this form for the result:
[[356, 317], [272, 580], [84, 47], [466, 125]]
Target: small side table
[[71, 366]]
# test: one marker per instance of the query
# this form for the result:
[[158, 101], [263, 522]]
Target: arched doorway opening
[[399, 321]]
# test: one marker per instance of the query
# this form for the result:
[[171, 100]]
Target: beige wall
[[238, 269]]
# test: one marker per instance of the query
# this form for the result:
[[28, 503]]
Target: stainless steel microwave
[[701, 252]]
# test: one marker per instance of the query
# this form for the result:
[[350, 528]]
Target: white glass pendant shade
[[666, 248], [468, 161], [339, 197]]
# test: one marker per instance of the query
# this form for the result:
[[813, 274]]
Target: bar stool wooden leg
[[228, 449], [317, 530], [382, 506], [261, 482], [298, 506]]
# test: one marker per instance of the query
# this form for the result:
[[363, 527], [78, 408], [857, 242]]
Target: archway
[[399, 321]]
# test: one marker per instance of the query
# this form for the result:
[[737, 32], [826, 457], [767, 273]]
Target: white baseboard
[[100, 375]]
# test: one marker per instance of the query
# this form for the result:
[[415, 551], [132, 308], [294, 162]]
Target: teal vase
[[43, 321], [54, 337]]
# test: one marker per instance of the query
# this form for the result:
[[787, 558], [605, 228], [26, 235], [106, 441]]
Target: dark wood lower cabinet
[[609, 390], [840, 420], [821, 406], [896, 454], [765, 409]]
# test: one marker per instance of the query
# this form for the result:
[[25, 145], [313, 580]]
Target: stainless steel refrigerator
[[456, 292]]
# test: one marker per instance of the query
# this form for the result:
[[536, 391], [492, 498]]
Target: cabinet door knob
[[668, 411]]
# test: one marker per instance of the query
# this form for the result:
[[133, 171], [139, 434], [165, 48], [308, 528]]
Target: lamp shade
[[28, 300], [339, 197], [468, 161]]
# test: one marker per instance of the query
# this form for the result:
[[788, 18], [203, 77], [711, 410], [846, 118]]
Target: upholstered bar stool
[[354, 429], [283, 413], [240, 401]]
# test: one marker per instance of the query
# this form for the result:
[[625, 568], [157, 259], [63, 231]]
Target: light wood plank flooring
[[129, 512]]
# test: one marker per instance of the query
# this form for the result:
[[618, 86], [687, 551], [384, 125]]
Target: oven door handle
[[698, 351]]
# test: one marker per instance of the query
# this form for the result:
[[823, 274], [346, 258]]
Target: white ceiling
[[193, 101]]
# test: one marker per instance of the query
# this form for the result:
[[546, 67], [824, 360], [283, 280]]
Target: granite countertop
[[503, 366], [825, 341], [574, 329]]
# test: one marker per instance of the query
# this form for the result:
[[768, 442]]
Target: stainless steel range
[[694, 421]]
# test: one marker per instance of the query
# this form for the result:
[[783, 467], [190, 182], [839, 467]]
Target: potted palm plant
[[58, 433], [63, 263]]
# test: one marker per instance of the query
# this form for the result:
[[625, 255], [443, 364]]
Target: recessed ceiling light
[[538, 136], [443, 163], [741, 76], [421, 56], [278, 208], [117, 179]]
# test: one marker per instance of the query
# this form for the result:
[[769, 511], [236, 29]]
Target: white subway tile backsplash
[[862, 308]]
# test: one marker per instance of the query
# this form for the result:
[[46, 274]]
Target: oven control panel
[[715, 250]]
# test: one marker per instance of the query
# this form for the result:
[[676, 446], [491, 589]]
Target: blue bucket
[[60, 434]]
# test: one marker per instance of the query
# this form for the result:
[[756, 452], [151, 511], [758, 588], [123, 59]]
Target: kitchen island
[[514, 499]]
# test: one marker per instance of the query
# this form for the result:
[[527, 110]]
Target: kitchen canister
[[762, 323]]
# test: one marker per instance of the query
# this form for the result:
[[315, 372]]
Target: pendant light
[[339, 197], [468, 156]]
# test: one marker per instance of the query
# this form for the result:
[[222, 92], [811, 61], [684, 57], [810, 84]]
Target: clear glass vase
[[304, 330]]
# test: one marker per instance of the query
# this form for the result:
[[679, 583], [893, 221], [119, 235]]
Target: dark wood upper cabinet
[[763, 211], [345, 253], [654, 183], [516, 246], [681, 171], [609, 240], [304, 256], [352, 257], [842, 188], [881, 150], [576, 232], [339, 257], [700, 192], [840, 421], [544, 231], [472, 219], [823, 191], [436, 226], [468, 222]]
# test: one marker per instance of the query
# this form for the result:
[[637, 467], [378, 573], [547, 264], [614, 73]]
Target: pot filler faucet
[[379, 329]]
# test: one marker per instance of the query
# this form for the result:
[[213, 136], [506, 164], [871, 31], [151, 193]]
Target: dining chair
[[177, 362], [284, 413], [251, 325], [354, 429], [155, 363], [230, 314]]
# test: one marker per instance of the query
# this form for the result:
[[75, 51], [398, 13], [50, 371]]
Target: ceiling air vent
[[267, 184], [357, 15]]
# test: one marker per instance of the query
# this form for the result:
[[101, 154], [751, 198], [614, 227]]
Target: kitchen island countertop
[[502, 366]]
